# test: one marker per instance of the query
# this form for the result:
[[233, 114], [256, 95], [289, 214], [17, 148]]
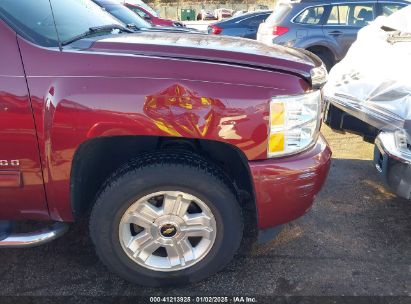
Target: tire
[[149, 180], [326, 59]]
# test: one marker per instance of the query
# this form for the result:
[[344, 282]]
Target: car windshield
[[34, 19], [74, 17], [126, 16]]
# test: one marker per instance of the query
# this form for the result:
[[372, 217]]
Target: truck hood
[[209, 48]]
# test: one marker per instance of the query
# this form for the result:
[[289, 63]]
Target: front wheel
[[167, 220]]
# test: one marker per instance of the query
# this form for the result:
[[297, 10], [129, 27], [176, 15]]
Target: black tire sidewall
[[326, 59], [133, 185]]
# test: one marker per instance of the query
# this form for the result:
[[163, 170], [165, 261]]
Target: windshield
[[74, 17], [144, 6], [34, 19], [127, 16], [31, 19]]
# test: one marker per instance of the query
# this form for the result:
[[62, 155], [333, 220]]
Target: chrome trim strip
[[12, 76], [31, 239]]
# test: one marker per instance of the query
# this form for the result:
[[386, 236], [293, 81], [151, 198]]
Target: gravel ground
[[356, 240]]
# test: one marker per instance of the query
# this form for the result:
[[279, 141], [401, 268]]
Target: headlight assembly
[[294, 123]]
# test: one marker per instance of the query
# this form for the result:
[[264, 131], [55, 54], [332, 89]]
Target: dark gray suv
[[326, 28]]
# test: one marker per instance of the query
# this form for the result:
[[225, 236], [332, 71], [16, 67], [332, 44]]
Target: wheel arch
[[97, 159], [322, 48]]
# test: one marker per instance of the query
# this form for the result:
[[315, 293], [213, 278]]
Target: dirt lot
[[355, 241]]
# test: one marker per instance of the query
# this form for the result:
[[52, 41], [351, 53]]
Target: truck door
[[22, 193]]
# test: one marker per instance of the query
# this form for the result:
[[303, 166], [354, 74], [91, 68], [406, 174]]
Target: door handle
[[335, 33]]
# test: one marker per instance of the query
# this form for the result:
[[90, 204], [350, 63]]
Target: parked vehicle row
[[132, 20], [148, 13], [223, 13], [326, 28], [206, 14], [173, 144], [245, 25]]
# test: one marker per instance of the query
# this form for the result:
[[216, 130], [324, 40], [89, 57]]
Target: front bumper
[[368, 112], [340, 120], [285, 188], [393, 165]]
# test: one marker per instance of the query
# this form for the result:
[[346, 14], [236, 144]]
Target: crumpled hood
[[372, 82], [203, 47]]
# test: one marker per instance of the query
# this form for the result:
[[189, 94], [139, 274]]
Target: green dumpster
[[188, 14]]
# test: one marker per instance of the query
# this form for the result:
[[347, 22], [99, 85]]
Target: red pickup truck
[[165, 141]]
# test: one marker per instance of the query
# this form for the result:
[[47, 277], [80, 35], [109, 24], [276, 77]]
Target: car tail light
[[279, 30], [214, 29]]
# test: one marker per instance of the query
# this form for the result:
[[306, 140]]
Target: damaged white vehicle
[[369, 93]]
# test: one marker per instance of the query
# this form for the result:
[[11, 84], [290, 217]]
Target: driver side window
[[310, 16], [357, 15]]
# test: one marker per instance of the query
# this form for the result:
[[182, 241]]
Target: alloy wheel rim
[[167, 231]]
